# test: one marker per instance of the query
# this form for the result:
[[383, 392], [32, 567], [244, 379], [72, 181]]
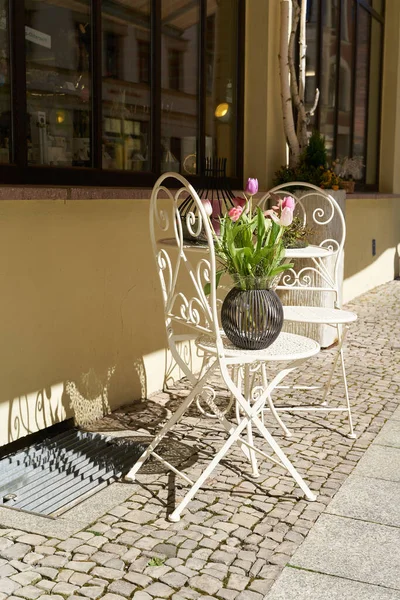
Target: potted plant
[[349, 169], [311, 167], [250, 248], [296, 235]]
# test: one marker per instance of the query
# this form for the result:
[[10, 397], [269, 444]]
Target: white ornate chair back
[[178, 262], [322, 215]]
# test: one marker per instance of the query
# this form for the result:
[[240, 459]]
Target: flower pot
[[252, 318], [348, 186]]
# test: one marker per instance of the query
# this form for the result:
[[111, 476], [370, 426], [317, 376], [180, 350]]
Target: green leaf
[[207, 286]]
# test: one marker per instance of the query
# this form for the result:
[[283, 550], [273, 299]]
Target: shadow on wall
[[80, 311]]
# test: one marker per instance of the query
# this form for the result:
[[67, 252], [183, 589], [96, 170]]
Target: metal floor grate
[[51, 476]]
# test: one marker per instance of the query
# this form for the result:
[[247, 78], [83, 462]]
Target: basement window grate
[[57, 473]]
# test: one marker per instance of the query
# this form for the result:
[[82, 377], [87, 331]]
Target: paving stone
[[123, 588], [107, 573], [91, 591], [303, 585], [249, 595], [7, 586], [159, 589], [45, 584], [205, 583], [131, 555], [29, 592], [82, 567], [64, 588], [33, 558], [237, 582], [55, 561], [141, 596], [48, 572], [26, 578], [138, 579], [32, 539], [15, 551], [378, 501], [139, 516], [175, 579], [101, 558], [340, 546], [7, 570]]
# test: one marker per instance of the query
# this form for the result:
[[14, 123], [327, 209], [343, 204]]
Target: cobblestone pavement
[[237, 534]]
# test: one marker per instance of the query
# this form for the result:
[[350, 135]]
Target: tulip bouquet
[[249, 245]]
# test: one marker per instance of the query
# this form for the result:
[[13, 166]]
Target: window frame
[[380, 17], [18, 171]]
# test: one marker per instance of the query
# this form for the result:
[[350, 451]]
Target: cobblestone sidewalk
[[237, 534]]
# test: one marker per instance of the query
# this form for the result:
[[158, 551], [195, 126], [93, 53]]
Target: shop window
[[58, 83], [349, 109], [115, 92]]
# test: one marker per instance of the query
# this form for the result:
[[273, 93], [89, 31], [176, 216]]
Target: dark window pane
[[374, 103], [5, 108], [221, 100], [58, 57], [361, 83], [343, 143], [311, 55], [328, 71], [126, 85], [179, 85]]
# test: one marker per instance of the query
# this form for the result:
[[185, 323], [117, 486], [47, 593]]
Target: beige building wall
[[369, 218], [82, 324]]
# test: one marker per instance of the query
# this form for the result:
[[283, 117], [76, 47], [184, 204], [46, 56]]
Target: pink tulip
[[207, 206], [288, 202], [286, 216], [239, 202], [252, 186], [272, 215], [235, 213]]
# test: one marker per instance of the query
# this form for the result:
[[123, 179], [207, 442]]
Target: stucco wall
[[82, 324], [367, 219]]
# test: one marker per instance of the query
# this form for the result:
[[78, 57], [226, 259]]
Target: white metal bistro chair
[[317, 210], [198, 313]]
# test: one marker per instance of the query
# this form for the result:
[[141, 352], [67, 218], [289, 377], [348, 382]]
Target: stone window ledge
[[104, 193]]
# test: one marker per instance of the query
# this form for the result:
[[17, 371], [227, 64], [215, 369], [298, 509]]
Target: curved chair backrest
[[179, 261], [320, 213]]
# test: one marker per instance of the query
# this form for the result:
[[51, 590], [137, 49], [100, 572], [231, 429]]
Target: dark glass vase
[[252, 318]]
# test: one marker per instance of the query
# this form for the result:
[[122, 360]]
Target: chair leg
[[271, 405], [351, 435], [247, 395], [170, 423]]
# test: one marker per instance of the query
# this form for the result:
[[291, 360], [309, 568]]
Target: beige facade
[[82, 324]]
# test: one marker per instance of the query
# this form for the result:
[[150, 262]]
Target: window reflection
[[58, 47], [345, 79], [126, 84], [179, 85], [328, 71], [5, 112], [221, 63]]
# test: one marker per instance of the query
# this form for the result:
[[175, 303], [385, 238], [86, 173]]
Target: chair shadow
[[141, 415]]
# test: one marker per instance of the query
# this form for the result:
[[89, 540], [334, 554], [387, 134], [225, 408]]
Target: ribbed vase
[[252, 318]]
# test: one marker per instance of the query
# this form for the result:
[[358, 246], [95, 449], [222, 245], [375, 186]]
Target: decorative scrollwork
[[302, 278], [331, 245]]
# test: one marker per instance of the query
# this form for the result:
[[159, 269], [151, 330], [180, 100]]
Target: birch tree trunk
[[286, 92]]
